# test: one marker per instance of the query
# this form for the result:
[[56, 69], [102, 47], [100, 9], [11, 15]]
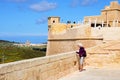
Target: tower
[[53, 20], [111, 13]]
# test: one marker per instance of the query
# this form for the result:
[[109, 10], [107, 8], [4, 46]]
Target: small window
[[53, 21]]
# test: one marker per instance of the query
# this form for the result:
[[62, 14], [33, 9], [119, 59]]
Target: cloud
[[41, 20], [18, 1], [76, 3], [43, 6], [88, 2]]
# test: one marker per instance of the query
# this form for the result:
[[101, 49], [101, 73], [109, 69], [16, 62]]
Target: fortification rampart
[[104, 55], [59, 65], [91, 32], [44, 68], [66, 40]]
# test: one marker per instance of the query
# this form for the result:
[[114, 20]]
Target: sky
[[29, 17]]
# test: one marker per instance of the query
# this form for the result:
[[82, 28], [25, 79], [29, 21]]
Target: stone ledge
[[52, 67]]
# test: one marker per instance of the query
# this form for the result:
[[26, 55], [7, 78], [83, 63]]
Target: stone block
[[44, 68], [44, 75], [2, 77], [32, 74], [54, 58], [39, 61]]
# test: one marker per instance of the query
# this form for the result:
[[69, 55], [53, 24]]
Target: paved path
[[94, 74]]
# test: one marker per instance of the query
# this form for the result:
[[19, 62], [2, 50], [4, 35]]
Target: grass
[[11, 53]]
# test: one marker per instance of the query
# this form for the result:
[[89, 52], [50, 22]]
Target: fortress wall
[[111, 33], [93, 18], [58, 47], [103, 59], [104, 55], [67, 40], [70, 33], [97, 32], [43, 68], [108, 33]]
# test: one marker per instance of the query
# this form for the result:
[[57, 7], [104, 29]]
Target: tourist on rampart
[[82, 54]]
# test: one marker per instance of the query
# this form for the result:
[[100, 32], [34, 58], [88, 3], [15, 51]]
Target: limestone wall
[[112, 33], [93, 18], [107, 33], [108, 59], [44, 68], [60, 42], [104, 55], [108, 15]]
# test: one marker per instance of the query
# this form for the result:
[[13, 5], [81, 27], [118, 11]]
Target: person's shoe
[[80, 70], [83, 69]]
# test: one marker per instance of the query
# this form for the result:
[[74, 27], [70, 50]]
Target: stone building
[[101, 43], [54, 24], [63, 37], [110, 16]]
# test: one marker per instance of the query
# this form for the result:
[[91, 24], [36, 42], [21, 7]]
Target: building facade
[[95, 30], [110, 16]]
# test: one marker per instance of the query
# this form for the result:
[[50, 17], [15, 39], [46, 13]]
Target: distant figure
[[82, 54]]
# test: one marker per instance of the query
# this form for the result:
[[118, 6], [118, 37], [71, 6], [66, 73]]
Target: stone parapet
[[104, 55], [44, 68]]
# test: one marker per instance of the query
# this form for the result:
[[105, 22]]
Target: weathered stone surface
[[44, 68], [104, 54]]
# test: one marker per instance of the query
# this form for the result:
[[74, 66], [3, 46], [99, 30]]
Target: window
[[71, 26], [53, 21]]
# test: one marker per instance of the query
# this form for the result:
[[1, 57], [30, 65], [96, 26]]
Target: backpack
[[84, 55]]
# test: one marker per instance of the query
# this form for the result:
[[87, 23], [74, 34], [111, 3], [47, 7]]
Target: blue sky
[[29, 17]]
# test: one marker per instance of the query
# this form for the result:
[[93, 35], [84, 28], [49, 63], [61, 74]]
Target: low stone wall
[[44, 68], [105, 55], [100, 60]]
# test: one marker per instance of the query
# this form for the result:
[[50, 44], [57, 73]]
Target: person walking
[[82, 54]]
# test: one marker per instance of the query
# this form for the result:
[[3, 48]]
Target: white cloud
[[43, 6], [88, 2], [41, 20], [76, 3], [16, 0]]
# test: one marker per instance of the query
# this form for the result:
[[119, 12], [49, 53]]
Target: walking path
[[94, 74]]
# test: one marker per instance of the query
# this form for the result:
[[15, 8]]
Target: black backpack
[[84, 55]]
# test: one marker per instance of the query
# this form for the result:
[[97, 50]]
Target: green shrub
[[10, 52]]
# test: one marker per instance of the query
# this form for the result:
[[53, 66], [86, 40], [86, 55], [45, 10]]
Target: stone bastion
[[56, 66]]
